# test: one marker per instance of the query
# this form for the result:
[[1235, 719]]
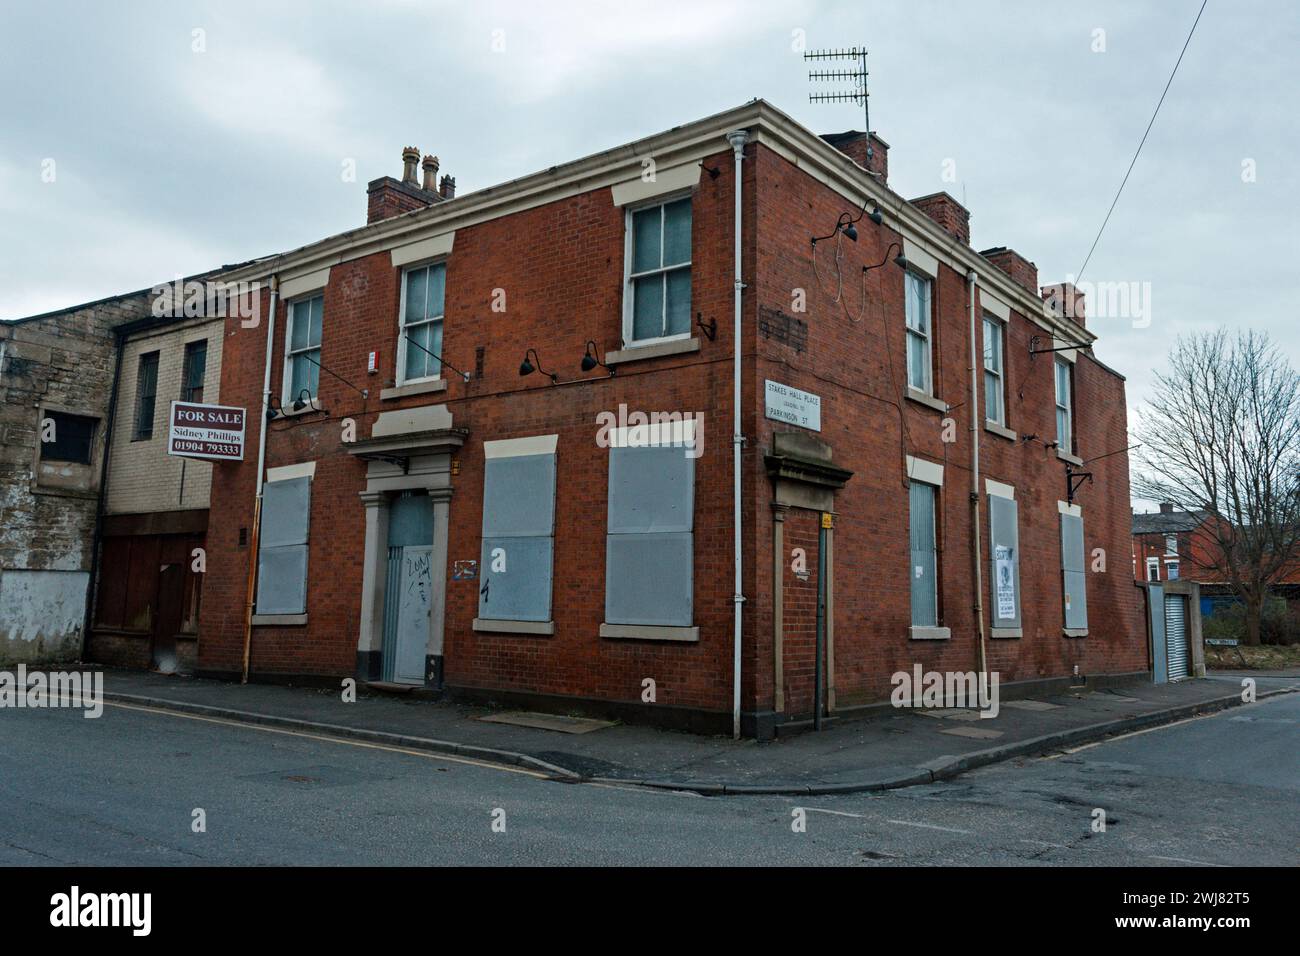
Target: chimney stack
[[410, 157], [1065, 300], [1166, 508], [387, 197], [866, 149], [430, 165], [448, 188]]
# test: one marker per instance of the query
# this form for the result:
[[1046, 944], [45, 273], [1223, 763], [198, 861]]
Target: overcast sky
[[187, 135]]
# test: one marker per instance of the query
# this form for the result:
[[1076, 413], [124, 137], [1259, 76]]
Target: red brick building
[[505, 526]]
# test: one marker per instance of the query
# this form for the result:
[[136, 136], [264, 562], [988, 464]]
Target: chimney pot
[[430, 165], [410, 158], [448, 188]]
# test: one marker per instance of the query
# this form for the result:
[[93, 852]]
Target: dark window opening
[[196, 366], [67, 437], [146, 394]]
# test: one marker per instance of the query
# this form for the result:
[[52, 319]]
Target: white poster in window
[[1006, 583]]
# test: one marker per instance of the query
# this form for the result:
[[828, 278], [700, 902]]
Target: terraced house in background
[[441, 506]]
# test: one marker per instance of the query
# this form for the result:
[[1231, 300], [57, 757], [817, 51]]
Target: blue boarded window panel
[[282, 547], [924, 566], [649, 550], [517, 559], [1073, 572]]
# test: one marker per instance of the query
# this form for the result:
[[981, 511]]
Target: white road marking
[[930, 826], [836, 813], [1179, 859]]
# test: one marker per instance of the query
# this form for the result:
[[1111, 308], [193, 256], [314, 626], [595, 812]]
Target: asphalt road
[[123, 790]]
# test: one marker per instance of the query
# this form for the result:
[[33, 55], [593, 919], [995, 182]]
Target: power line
[[1079, 274]]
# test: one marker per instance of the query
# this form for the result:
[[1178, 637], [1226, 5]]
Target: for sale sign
[[206, 431]]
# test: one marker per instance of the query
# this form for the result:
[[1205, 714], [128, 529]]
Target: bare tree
[[1222, 437]]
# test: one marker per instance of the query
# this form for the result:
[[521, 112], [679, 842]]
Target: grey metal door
[[408, 592], [1156, 609], [1176, 635]]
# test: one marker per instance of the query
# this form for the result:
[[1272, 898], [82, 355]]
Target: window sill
[[650, 632], [1074, 632], [1006, 632], [1066, 456], [278, 620], [292, 412], [634, 353], [929, 401], [930, 633], [415, 388], [1000, 430], [491, 626]]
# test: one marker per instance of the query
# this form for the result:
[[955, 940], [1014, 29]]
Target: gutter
[[254, 534], [737, 139]]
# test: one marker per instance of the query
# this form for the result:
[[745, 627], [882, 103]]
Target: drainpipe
[[976, 548], [737, 139], [262, 429], [97, 538]]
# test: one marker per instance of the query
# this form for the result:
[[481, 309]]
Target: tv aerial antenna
[[854, 73]]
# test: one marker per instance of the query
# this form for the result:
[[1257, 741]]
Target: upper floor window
[[67, 437], [1171, 544], [146, 395], [917, 304], [419, 347], [302, 349], [994, 391], [658, 272], [1153, 569], [196, 367], [1064, 407]]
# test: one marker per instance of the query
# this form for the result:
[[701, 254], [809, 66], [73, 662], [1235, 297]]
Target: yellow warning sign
[[828, 521]]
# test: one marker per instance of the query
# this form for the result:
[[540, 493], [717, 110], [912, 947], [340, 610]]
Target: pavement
[[899, 748]]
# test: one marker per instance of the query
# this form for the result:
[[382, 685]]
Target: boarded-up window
[[924, 567], [518, 530], [1004, 543], [282, 547], [649, 547], [1073, 572]]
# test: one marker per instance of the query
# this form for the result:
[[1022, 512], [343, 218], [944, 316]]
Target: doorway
[[408, 597]]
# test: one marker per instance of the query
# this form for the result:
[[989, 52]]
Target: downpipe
[[255, 532], [737, 139], [976, 547]]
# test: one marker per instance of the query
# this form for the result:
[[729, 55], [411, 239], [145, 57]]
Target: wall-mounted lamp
[[900, 260], [846, 223], [527, 367], [589, 360], [300, 402], [273, 409]]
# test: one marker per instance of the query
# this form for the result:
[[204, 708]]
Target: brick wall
[[854, 359], [567, 289], [142, 477]]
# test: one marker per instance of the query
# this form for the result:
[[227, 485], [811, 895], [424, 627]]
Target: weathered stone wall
[[60, 362]]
